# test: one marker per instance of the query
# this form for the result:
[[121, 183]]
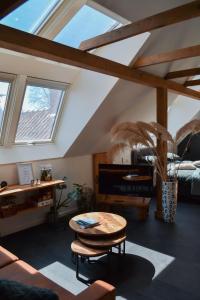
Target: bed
[[188, 183], [188, 179]]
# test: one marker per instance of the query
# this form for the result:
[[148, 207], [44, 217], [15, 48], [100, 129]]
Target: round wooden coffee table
[[109, 224], [98, 240]]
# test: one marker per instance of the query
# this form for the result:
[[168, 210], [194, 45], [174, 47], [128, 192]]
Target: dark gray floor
[[162, 261]]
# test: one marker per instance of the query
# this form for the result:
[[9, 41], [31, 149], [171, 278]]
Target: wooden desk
[[141, 204], [15, 190], [106, 202]]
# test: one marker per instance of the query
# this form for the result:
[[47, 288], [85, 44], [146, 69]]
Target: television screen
[[130, 180]]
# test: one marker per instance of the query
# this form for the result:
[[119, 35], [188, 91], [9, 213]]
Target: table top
[[14, 189], [109, 224]]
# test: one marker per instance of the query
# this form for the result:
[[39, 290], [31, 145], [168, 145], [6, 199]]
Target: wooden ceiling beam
[[7, 6], [27, 43], [172, 16], [192, 82], [183, 73], [145, 61]]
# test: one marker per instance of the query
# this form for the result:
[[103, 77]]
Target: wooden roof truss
[[19, 41]]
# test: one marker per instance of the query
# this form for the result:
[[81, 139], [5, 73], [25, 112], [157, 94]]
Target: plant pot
[[169, 200]]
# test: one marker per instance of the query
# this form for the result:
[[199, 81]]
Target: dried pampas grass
[[147, 127], [191, 127], [123, 126], [137, 135], [162, 132], [116, 150]]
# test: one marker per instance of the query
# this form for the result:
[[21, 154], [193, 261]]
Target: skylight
[[29, 16], [39, 113], [87, 23], [4, 93]]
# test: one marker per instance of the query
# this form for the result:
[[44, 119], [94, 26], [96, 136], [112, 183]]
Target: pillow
[[172, 156], [185, 166], [196, 163], [12, 290], [149, 158]]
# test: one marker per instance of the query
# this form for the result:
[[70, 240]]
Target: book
[[87, 223]]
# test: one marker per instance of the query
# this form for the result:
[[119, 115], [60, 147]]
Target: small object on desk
[[25, 173], [46, 173], [87, 223], [3, 184]]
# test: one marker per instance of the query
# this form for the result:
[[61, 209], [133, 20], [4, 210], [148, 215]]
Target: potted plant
[[60, 202], [140, 135], [83, 195]]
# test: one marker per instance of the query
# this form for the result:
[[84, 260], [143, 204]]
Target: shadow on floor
[[120, 270]]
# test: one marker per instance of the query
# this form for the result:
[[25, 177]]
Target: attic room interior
[[99, 149]]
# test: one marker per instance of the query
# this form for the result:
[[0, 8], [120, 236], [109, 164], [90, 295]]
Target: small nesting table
[[99, 240]]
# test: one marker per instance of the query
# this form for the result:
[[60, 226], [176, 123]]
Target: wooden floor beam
[[7, 6], [172, 16], [183, 73], [27, 43], [183, 53]]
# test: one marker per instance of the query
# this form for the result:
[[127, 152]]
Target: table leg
[[77, 266], [119, 249], [124, 247]]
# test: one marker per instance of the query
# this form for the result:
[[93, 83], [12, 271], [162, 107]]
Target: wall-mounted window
[[87, 23], [40, 111], [5, 89], [29, 16]]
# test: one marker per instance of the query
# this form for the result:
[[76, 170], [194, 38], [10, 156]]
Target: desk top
[[109, 224], [14, 189]]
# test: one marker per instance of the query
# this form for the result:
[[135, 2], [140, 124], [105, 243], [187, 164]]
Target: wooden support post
[[162, 106]]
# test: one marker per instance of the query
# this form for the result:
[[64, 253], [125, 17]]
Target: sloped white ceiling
[[129, 101], [96, 102], [87, 92], [135, 10]]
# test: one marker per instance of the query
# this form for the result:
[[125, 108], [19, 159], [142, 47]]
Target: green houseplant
[[60, 202], [83, 195]]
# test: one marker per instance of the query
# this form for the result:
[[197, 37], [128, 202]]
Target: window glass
[[39, 113], [4, 93], [87, 23], [30, 15]]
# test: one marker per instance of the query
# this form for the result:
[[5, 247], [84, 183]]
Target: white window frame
[[108, 13], [38, 82], [44, 18], [67, 9], [10, 78]]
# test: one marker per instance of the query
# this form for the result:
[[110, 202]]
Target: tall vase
[[169, 200]]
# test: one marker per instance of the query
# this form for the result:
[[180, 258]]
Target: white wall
[[76, 169], [87, 93], [144, 109], [182, 110]]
